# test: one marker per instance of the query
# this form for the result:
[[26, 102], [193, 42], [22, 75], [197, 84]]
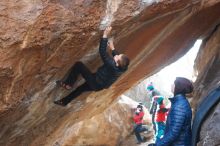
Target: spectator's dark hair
[[140, 106], [182, 86], [124, 62]]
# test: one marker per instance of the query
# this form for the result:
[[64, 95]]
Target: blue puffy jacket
[[178, 126]]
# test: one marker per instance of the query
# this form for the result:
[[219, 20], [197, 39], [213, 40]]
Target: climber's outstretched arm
[[103, 46]]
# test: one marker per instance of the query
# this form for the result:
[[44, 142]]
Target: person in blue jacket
[[113, 67], [178, 125]]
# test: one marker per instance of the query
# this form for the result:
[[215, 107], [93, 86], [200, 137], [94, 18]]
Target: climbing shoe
[[59, 102]]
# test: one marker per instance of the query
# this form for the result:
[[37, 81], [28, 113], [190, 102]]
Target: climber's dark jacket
[[108, 73]]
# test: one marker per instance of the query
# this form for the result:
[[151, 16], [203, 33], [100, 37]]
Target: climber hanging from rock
[[104, 77]]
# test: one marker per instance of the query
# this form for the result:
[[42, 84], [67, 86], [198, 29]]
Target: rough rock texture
[[115, 122], [209, 134], [207, 66], [41, 39]]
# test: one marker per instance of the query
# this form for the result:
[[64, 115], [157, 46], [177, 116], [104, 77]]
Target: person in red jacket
[[138, 120], [160, 119], [158, 111]]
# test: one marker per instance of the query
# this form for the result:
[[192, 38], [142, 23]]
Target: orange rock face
[[40, 40], [207, 66]]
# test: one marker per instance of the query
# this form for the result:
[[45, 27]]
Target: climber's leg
[[78, 69], [64, 101]]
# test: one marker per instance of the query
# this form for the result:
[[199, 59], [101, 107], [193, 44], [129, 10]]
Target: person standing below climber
[[112, 68], [138, 122], [160, 119], [178, 126], [158, 111]]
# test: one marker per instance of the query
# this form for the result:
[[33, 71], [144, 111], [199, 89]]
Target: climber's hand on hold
[[107, 31], [111, 44]]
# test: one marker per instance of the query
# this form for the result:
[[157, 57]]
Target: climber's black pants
[[90, 85]]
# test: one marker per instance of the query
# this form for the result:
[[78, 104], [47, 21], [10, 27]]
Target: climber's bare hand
[[111, 44], [107, 31]]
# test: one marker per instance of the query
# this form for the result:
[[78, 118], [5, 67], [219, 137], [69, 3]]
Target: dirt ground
[[131, 140]]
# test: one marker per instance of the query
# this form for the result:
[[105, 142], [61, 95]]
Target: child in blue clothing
[[158, 111]]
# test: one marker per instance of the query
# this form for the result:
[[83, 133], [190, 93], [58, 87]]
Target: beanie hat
[[160, 100], [150, 87], [182, 86]]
